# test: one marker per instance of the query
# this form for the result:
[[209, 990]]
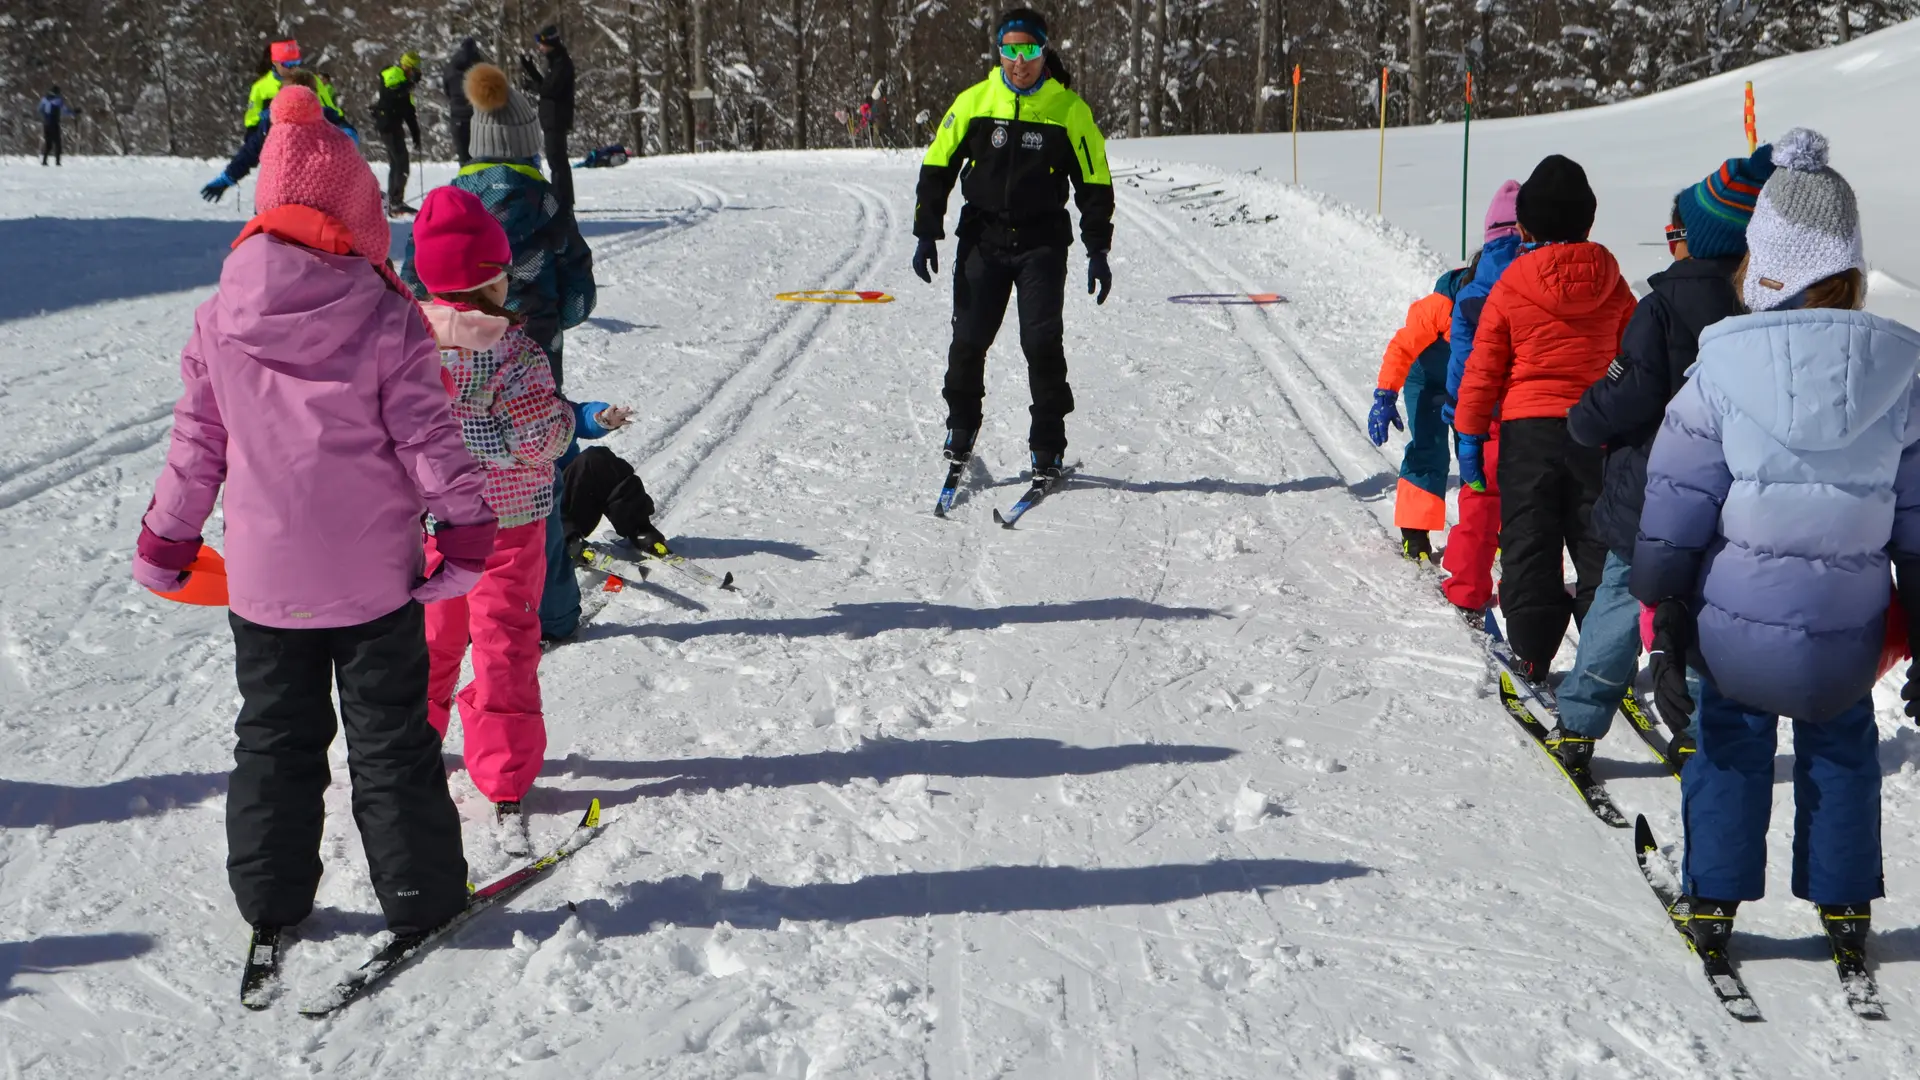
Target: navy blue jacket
[[1622, 412]]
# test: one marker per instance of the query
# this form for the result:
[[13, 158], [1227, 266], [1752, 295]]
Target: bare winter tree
[[171, 76]]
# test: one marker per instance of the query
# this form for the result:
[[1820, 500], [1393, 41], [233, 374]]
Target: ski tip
[[592, 820], [727, 582], [1643, 834]]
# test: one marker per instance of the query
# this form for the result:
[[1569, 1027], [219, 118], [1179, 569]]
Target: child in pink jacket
[[517, 426], [314, 399]]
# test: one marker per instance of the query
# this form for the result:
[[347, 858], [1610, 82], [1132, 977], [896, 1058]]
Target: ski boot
[[651, 541], [1048, 467], [1475, 618], [1680, 748], [1415, 545], [510, 824], [1709, 924], [399, 208], [1573, 752], [1847, 926], [960, 444]]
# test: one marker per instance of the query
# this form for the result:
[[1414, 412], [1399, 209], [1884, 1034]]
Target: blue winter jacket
[[1785, 474], [1494, 260]]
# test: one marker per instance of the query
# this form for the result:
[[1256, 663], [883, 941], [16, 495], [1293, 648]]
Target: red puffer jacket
[[1549, 330]]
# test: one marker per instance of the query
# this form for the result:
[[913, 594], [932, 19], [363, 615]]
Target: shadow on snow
[[870, 620], [25, 804], [46, 955]]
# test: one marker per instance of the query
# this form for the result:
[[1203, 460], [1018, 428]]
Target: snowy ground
[[1637, 154], [1187, 777]]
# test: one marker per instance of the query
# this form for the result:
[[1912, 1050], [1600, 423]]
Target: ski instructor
[[1024, 135]]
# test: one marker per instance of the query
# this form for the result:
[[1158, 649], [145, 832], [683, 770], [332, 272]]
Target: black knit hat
[[548, 35], [1556, 204]]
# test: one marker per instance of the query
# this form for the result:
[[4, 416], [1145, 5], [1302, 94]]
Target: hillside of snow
[[1189, 776], [1637, 154]]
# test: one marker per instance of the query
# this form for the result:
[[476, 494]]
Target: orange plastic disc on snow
[[206, 582]]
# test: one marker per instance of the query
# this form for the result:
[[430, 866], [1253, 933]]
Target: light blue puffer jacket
[[1784, 475]]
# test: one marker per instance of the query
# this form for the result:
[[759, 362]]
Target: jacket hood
[[464, 327], [1567, 279], [292, 305], [1690, 269], [1814, 379]]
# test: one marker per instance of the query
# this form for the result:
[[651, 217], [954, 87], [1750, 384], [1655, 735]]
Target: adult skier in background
[[1476, 536], [282, 57], [1784, 481], [1622, 413], [52, 108], [314, 411], [248, 156], [453, 79], [1022, 136], [555, 92], [394, 111]]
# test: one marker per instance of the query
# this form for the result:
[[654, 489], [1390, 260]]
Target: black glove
[[1672, 639], [530, 71], [926, 260], [1098, 273], [1907, 577]]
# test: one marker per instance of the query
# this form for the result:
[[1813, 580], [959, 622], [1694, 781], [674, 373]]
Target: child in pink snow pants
[[516, 425]]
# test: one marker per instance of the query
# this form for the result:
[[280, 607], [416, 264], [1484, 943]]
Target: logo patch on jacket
[[999, 136], [1033, 140]]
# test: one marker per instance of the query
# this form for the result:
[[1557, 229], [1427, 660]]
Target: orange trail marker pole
[[1753, 133], [1296, 125]]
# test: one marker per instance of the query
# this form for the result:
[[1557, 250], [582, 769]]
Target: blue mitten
[[1467, 449], [1386, 410]]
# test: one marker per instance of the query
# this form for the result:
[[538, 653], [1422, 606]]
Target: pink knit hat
[[457, 244], [1503, 219], [308, 162]]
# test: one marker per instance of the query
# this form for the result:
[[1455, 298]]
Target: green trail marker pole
[[1466, 155]]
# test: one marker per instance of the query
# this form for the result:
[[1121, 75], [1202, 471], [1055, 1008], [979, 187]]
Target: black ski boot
[[1709, 925], [262, 971], [960, 443], [1573, 752], [1475, 619], [1847, 926], [1416, 545], [1681, 748], [399, 208], [1048, 467]]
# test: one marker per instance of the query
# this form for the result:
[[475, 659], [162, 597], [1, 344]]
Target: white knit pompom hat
[[1806, 227]]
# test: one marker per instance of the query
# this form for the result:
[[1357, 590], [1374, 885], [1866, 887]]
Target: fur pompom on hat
[[505, 125], [306, 161], [1806, 226]]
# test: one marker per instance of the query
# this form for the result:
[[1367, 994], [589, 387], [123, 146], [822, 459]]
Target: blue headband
[[1021, 25]]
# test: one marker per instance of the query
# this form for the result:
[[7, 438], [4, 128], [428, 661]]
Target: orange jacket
[[1430, 319], [1548, 331]]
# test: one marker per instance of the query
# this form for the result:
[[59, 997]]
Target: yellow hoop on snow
[[834, 296]]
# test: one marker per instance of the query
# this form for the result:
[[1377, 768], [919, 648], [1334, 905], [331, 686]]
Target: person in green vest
[[1022, 136], [393, 118], [282, 57]]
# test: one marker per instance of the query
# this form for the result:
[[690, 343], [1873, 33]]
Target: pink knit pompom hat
[[309, 162], [1503, 217]]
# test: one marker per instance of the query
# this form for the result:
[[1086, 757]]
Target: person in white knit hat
[[1783, 484]]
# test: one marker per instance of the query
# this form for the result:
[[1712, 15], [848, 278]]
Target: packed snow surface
[[1189, 776]]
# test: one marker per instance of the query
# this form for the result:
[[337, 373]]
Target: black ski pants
[[984, 277], [399, 165], [462, 129], [1548, 485], [599, 483], [275, 797], [560, 168], [50, 143]]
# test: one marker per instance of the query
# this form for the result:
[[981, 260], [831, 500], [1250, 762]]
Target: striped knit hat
[[1716, 210]]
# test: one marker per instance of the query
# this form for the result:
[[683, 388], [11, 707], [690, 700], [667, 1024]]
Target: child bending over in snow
[[517, 426], [1785, 478], [314, 397]]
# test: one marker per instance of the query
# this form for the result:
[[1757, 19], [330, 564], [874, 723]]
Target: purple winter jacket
[[313, 392]]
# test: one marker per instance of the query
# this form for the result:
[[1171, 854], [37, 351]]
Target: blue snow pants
[[560, 601], [1608, 659], [1726, 799]]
